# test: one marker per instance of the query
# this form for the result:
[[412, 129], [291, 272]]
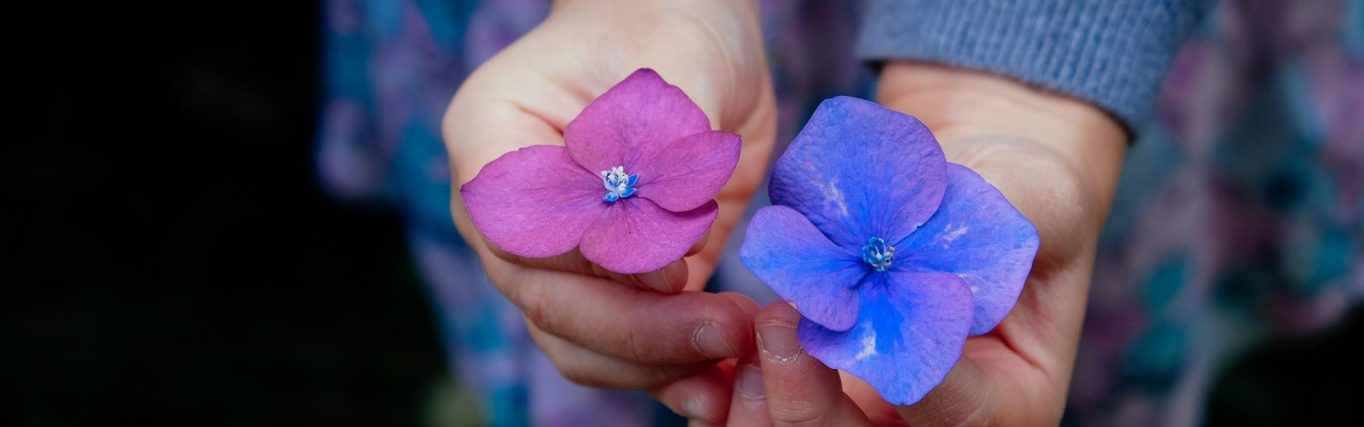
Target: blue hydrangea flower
[[892, 255]]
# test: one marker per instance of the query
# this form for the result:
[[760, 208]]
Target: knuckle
[[639, 340], [538, 307], [633, 346], [797, 414]]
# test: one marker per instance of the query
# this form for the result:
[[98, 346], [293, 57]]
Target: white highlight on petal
[[950, 234], [868, 343], [833, 194]]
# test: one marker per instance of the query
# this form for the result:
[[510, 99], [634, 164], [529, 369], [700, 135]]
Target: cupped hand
[[1057, 160], [601, 328]]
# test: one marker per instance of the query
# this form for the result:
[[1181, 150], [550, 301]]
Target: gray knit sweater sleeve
[[1113, 53]]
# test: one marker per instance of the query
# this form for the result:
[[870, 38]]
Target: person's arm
[[1112, 54]]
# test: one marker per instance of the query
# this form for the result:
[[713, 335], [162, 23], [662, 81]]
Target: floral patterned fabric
[[1238, 215]]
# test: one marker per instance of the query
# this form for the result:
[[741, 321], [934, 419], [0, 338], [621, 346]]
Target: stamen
[[878, 254], [618, 184]]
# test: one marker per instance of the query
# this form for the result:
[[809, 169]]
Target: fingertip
[[780, 312], [745, 303], [670, 279], [702, 398], [748, 405], [725, 324], [700, 244]]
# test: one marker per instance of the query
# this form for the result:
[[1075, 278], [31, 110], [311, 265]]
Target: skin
[[1055, 158], [599, 328]]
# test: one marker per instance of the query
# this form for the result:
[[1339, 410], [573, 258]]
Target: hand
[[1057, 160], [601, 328]]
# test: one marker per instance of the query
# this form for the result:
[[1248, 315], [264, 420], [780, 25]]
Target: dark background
[[168, 258], [171, 260]]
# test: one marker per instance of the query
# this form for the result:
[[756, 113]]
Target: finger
[[630, 323], [700, 244], [880, 412], [959, 400], [744, 303], [748, 405], [801, 391], [703, 397], [669, 280], [588, 368]]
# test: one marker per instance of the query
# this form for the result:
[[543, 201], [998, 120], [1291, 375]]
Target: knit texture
[[1113, 53]]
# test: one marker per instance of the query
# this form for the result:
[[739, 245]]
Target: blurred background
[[232, 214]]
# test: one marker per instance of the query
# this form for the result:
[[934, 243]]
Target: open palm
[[1057, 161], [601, 328]]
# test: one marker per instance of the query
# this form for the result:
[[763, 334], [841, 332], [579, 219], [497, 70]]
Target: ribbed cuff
[[1113, 53]]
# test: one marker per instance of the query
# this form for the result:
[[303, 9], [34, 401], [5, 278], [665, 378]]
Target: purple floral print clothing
[[1238, 216]]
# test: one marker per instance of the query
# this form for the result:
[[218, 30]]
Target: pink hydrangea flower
[[632, 188]]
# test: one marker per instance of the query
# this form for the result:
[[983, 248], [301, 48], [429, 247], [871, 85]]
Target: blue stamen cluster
[[618, 184], [878, 254]]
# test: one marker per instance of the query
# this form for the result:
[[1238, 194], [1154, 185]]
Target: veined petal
[[633, 120], [788, 253], [635, 235], [534, 202], [908, 335], [688, 172], [977, 235], [859, 170]]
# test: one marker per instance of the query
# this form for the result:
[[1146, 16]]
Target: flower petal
[[690, 171], [788, 253], [977, 235], [635, 235], [909, 334], [534, 202], [633, 120], [859, 170]]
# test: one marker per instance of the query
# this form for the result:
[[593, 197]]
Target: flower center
[[878, 254], [618, 184]]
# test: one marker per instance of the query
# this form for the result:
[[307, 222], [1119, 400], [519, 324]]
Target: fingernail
[[710, 343], [692, 408], [778, 342], [749, 382]]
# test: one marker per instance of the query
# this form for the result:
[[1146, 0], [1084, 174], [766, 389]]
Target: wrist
[[636, 6], [962, 100]]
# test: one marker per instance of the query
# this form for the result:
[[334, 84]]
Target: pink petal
[[633, 120], [635, 235], [534, 202], [690, 171]]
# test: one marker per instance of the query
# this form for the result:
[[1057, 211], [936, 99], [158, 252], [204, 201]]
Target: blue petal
[[909, 334], [610, 197], [858, 170], [788, 253], [977, 235]]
